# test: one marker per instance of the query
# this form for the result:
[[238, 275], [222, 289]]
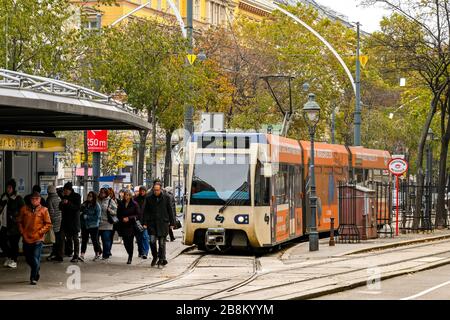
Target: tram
[[248, 190]]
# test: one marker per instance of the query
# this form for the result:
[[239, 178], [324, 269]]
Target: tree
[[119, 152], [416, 39]]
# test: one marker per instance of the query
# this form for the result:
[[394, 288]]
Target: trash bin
[[365, 210]]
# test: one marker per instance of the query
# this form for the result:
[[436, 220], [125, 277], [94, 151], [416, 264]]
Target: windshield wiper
[[234, 196]]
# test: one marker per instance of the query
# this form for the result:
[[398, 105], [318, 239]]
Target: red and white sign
[[398, 166], [97, 140]]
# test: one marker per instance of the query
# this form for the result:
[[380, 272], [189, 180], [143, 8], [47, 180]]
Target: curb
[[397, 244], [361, 283], [286, 255]]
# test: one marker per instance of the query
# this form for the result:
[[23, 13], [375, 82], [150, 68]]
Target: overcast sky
[[369, 17]]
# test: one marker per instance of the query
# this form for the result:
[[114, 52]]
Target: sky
[[369, 17]]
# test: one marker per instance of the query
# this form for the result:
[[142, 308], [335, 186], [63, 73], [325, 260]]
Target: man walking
[[70, 223], [158, 218], [142, 238], [34, 222]]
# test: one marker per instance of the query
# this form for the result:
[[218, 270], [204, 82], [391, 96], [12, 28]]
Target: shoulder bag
[[112, 219]]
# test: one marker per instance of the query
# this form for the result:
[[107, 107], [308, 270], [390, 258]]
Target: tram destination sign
[[224, 142], [398, 166]]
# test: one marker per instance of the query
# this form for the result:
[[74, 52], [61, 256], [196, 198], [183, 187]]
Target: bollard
[[331, 232], [364, 228]]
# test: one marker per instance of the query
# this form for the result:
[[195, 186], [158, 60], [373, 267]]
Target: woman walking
[[108, 211], [128, 212], [90, 221]]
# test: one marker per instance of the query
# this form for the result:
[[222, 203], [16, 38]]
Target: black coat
[[70, 213], [12, 212], [132, 212], [140, 200], [158, 215]]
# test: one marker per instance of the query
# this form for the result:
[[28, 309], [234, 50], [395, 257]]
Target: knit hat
[[12, 183], [51, 189], [68, 186]]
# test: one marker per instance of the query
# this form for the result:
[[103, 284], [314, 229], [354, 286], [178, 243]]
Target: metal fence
[[383, 207]]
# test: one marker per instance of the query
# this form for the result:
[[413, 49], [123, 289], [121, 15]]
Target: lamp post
[[311, 113]]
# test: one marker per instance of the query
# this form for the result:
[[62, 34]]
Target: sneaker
[[7, 261], [33, 282], [97, 257], [154, 262], [74, 259], [144, 257], [164, 262], [105, 258], [12, 264]]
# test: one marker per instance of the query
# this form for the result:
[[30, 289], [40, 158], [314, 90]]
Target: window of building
[[91, 24], [197, 9]]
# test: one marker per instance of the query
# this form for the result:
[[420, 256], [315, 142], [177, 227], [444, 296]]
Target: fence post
[[364, 235], [331, 243]]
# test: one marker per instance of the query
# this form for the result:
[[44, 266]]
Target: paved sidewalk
[[96, 276]]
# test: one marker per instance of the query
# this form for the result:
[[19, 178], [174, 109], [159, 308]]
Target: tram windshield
[[220, 179]]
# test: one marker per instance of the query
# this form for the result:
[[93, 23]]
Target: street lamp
[[311, 113], [161, 166]]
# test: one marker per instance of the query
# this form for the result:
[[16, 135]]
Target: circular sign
[[398, 166]]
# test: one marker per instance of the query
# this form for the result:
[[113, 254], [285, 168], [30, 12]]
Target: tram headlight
[[198, 218], [241, 219]]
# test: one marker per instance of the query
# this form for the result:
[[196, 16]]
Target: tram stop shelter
[[33, 108]]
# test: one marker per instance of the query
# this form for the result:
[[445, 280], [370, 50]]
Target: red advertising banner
[[97, 140]]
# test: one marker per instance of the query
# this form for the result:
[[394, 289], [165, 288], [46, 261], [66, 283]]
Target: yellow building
[[205, 12]]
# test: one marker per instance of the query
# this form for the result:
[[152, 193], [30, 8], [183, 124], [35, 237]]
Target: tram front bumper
[[215, 236]]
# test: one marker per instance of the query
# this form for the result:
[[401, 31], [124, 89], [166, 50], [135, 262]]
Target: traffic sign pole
[[397, 167], [396, 204]]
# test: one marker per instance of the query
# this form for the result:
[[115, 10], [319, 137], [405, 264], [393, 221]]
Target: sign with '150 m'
[[97, 140]]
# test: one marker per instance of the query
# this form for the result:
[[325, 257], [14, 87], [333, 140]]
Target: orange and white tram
[[247, 190]]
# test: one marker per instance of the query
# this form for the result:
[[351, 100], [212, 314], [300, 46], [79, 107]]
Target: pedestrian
[[121, 193], [70, 208], [90, 221], [10, 205], [128, 213], [52, 203], [158, 218], [108, 211], [169, 192], [36, 188], [142, 237], [34, 222], [112, 195]]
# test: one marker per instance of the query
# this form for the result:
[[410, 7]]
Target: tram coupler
[[215, 236]]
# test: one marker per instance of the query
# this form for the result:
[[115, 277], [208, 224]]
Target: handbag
[[139, 226], [177, 224], [49, 237], [112, 219]]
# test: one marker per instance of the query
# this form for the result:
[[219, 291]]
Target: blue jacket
[[90, 216]]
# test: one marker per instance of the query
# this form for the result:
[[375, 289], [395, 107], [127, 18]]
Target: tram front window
[[221, 179]]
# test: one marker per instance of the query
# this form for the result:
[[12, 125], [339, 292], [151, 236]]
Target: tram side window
[[262, 187]]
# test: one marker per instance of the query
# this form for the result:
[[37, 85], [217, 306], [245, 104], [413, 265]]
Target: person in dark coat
[[10, 205], [158, 218], [70, 223], [128, 213], [173, 205], [142, 237]]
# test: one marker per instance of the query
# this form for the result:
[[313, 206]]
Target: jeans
[[107, 240], [32, 252], [143, 242], [161, 253], [9, 244], [58, 246], [85, 234], [72, 238]]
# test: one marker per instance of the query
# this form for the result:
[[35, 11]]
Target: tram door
[[291, 186]]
